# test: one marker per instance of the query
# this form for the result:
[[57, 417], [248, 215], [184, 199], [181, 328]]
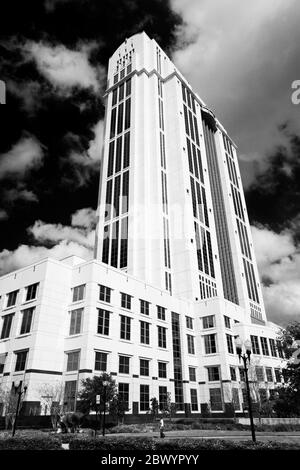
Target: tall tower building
[[174, 277], [172, 210]]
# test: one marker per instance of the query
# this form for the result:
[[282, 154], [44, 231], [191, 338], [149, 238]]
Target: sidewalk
[[215, 434]]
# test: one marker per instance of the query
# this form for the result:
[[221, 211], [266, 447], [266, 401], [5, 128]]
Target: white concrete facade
[[173, 232]]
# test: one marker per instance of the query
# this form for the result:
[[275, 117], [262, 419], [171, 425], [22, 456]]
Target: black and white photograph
[[149, 230]]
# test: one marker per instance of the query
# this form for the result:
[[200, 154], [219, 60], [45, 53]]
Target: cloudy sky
[[240, 57]]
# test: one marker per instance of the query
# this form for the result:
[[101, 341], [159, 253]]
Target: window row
[[30, 293], [25, 323], [266, 346]]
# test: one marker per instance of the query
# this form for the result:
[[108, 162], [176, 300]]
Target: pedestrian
[[161, 428]]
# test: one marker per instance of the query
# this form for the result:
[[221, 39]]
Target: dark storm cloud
[[274, 198], [54, 55]]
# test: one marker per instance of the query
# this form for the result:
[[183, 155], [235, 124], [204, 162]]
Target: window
[[264, 346], [126, 301], [123, 390], [210, 344], [75, 322], [26, 320], [259, 373], [255, 344], [236, 398], [273, 347], [162, 397], [229, 344], [145, 332], [2, 362], [280, 349], [144, 397], [161, 312], [162, 340], [194, 399], [215, 399], [101, 361], [6, 326], [192, 374], [78, 293], [125, 328], [227, 322], [104, 293], [213, 373], [269, 374], [21, 357], [190, 343], [124, 364], [245, 398], [31, 292], [144, 307], [189, 323], [208, 322], [277, 375], [103, 322], [144, 367], [73, 361], [70, 395], [233, 373], [12, 298], [162, 370]]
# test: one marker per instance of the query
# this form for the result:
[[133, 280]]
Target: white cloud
[[24, 155], [64, 67], [25, 255], [278, 260], [77, 239], [85, 218], [95, 147], [242, 61]]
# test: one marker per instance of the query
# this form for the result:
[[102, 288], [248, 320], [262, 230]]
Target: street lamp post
[[246, 359], [17, 387], [105, 384]]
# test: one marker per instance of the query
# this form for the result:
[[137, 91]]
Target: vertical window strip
[[210, 254], [199, 201], [204, 249], [113, 123], [190, 156], [186, 121], [120, 118], [126, 152], [127, 113], [125, 192], [124, 243], [198, 247], [114, 244], [118, 155], [106, 244], [195, 161], [200, 166], [108, 200], [117, 196], [205, 206], [194, 198], [110, 166]]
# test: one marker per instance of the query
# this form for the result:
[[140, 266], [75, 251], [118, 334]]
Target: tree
[[117, 408], [52, 400], [91, 387], [287, 403], [154, 408], [9, 399]]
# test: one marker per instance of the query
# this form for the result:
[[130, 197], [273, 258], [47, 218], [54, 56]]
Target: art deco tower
[[172, 210]]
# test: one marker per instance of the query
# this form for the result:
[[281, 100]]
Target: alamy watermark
[[2, 92], [296, 94]]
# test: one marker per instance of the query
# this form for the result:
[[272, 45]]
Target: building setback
[[174, 277]]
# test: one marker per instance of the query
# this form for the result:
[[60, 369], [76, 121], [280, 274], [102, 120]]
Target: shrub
[[113, 444], [21, 443]]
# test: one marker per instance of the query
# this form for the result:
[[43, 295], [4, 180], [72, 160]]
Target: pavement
[[215, 434]]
